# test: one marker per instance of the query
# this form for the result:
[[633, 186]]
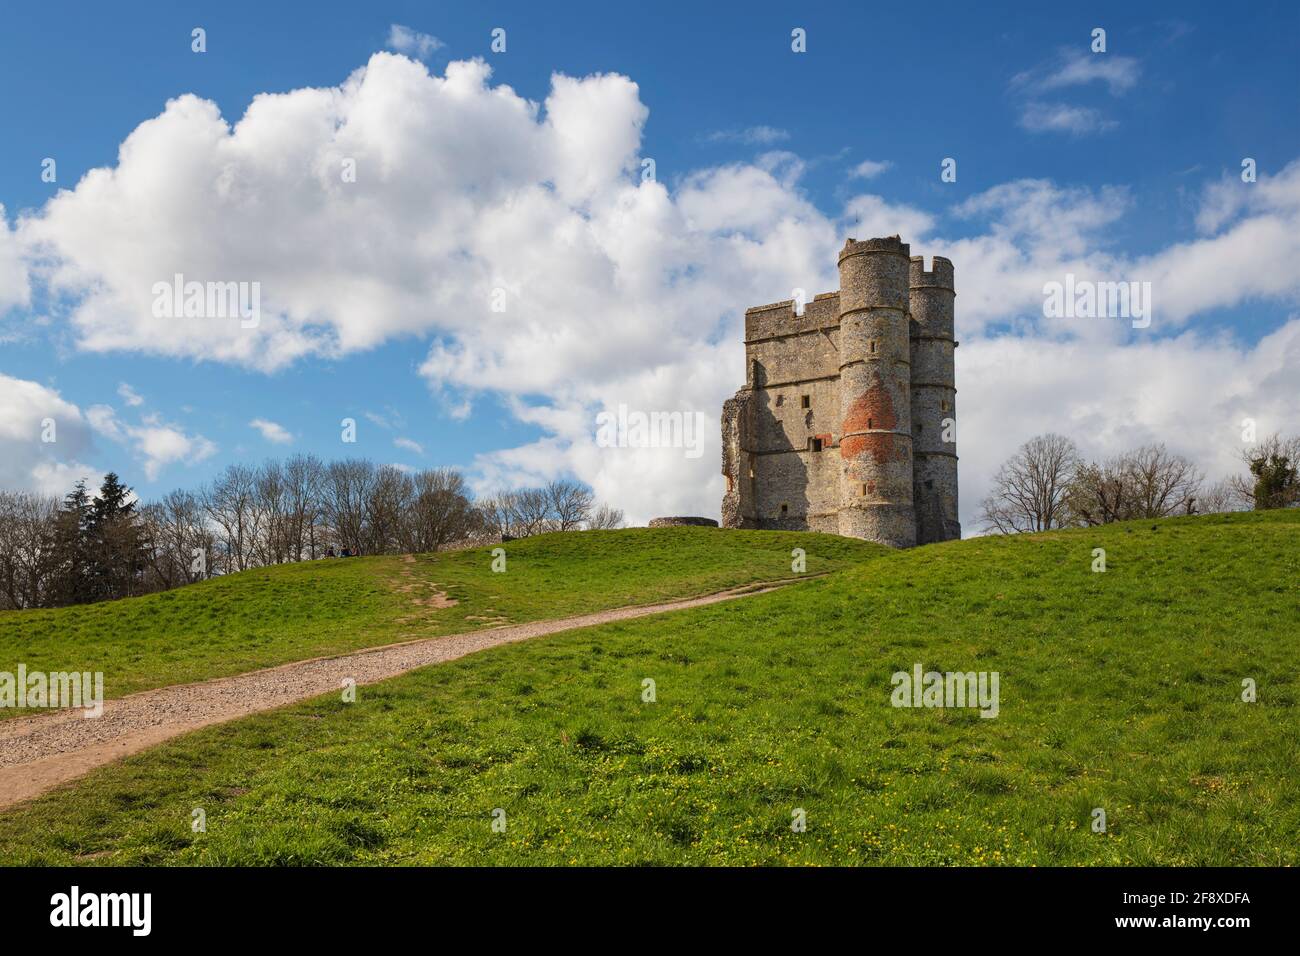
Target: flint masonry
[[847, 420]]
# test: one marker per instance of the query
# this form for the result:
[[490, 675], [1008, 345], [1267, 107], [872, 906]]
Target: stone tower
[[934, 401], [875, 435], [846, 422]]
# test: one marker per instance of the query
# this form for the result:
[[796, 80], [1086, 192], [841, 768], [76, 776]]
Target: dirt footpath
[[37, 753]]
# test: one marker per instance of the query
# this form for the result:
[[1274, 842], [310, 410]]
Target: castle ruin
[[847, 420]]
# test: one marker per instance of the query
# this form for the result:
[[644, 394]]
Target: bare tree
[[388, 502], [346, 493], [26, 538], [303, 480], [180, 547], [496, 513], [1029, 490], [569, 505], [230, 502], [1148, 482], [271, 499], [440, 511], [518, 514], [1219, 497], [532, 512], [605, 518], [1163, 483]]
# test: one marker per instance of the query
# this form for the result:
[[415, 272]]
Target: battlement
[[889, 245], [788, 304], [938, 277], [778, 318]]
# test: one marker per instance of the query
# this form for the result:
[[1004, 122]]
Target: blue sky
[[1134, 152]]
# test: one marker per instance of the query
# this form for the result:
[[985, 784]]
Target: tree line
[[1048, 484], [110, 545]]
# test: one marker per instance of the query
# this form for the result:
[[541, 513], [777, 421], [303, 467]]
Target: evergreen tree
[[1276, 482], [68, 558], [113, 542], [112, 503], [97, 550]]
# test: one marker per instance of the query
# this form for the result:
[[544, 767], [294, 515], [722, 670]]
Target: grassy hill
[[290, 612], [1119, 690]]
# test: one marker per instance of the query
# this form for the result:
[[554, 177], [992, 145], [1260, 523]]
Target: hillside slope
[[289, 612], [1118, 690]]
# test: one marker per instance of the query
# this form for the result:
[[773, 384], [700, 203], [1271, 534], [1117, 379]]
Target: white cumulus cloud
[[870, 168], [129, 395], [272, 431], [42, 439], [156, 443], [519, 240], [1073, 67], [1039, 117], [412, 42]]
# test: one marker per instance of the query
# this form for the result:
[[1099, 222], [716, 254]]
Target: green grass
[[271, 616], [1118, 690]]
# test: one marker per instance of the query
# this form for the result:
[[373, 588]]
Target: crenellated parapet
[[938, 276], [779, 319]]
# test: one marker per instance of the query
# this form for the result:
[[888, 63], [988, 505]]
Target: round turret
[[876, 483], [934, 400]]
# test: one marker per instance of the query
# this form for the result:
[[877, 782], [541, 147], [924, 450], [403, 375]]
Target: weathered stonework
[[847, 420], [682, 522]]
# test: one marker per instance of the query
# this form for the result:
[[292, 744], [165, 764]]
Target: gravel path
[[37, 753]]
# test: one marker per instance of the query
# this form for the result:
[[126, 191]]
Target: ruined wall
[[737, 499], [681, 521]]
